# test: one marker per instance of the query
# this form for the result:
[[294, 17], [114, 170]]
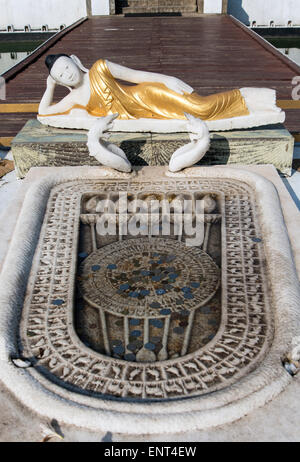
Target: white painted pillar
[[38, 13], [212, 6], [100, 7]]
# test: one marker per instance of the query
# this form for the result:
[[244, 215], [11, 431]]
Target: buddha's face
[[65, 72]]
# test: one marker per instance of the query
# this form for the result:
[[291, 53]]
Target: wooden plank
[[270, 48], [292, 120]]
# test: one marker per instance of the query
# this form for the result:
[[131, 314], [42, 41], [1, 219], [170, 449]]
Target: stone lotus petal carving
[[111, 155], [191, 153], [107, 154]]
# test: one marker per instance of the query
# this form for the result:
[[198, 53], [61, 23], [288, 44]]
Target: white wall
[[293, 53], [265, 11], [7, 61], [100, 7], [212, 6], [39, 12]]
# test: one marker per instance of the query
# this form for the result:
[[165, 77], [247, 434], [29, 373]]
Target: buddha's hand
[[177, 85], [50, 82]]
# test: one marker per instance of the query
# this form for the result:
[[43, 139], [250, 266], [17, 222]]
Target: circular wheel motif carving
[[144, 277]]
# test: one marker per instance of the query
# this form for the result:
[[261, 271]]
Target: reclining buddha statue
[[155, 103], [159, 103]]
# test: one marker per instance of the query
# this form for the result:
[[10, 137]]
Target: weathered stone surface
[[254, 426], [40, 146], [160, 6], [202, 357], [242, 361]]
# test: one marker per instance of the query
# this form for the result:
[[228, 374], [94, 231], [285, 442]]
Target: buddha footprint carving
[[106, 153], [191, 153]]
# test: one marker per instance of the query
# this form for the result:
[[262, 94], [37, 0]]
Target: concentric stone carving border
[[216, 408], [239, 346]]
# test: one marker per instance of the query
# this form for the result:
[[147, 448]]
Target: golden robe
[[155, 100]]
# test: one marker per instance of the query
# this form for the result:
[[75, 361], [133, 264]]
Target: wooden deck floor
[[212, 54]]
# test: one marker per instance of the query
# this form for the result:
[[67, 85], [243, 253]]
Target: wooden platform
[[211, 53]]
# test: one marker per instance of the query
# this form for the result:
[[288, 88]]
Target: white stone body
[[107, 154], [70, 72]]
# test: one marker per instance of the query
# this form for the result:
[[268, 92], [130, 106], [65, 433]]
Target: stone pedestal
[[39, 146], [56, 248]]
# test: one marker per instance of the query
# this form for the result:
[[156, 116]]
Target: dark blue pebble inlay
[[156, 278], [165, 311], [188, 296], [155, 305], [131, 346], [145, 273], [178, 330], [156, 323], [155, 339], [160, 291], [129, 357], [83, 255], [136, 333], [150, 346], [133, 294], [205, 310], [145, 292], [173, 275], [119, 350], [58, 302]]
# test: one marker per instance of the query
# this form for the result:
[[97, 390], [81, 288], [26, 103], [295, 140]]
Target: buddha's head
[[65, 70]]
